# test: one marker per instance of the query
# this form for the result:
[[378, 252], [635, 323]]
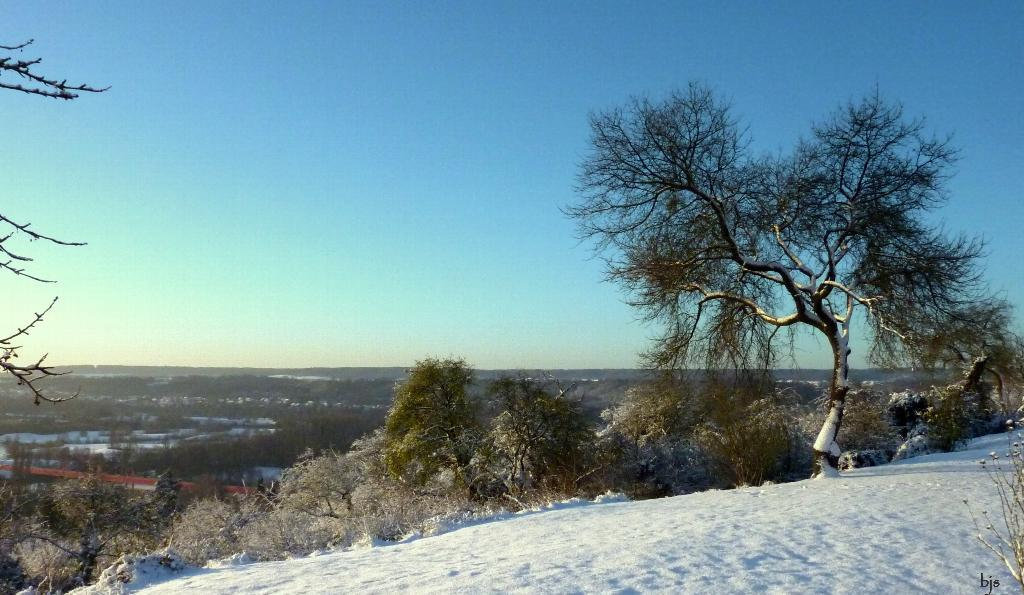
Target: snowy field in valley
[[900, 528]]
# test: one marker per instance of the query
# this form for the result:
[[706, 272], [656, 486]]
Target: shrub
[[283, 533], [649, 412], [906, 411], [210, 529], [320, 486], [50, 568], [97, 521], [948, 417], [752, 446], [866, 424], [537, 440], [647, 447], [1005, 537], [384, 509], [654, 467]]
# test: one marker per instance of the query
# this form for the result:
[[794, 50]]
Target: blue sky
[[301, 184]]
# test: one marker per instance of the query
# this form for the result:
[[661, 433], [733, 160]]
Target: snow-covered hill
[[901, 528]]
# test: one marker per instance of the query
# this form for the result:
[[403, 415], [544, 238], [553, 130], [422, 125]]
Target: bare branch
[[35, 235], [38, 84], [6, 341]]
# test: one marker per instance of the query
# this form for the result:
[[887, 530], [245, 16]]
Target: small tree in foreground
[[539, 437], [734, 252], [91, 520]]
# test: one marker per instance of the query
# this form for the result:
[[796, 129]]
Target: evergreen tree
[[432, 426]]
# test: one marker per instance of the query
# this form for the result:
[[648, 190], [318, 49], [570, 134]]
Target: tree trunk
[[972, 379], [88, 555], [1004, 404], [826, 450]]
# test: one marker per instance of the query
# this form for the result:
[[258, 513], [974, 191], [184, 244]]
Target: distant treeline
[[231, 460], [219, 388]]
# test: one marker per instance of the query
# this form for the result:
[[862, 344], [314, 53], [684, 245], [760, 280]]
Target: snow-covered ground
[[901, 528]]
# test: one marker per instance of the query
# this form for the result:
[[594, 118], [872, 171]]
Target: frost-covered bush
[[866, 425], [283, 533], [387, 510], [215, 529], [646, 445], [320, 486], [312, 510], [210, 529], [383, 508], [648, 412], [655, 466], [337, 499], [49, 567]]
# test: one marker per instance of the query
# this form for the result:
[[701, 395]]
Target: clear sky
[[339, 183]]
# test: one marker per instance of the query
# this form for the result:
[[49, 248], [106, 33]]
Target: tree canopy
[[432, 425], [733, 251]]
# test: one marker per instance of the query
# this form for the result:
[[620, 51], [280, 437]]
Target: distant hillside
[[398, 372], [342, 373]]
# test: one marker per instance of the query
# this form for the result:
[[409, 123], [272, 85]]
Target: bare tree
[[734, 253], [27, 80]]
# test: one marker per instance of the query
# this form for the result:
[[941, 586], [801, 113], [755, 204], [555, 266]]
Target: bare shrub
[[866, 423], [284, 533], [53, 569], [320, 486], [209, 529], [751, 446], [1005, 537], [388, 510]]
